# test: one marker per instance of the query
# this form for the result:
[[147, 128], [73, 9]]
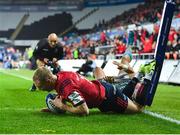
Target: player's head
[[44, 79], [53, 40]]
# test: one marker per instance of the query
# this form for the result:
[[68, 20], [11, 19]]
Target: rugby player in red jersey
[[71, 87]]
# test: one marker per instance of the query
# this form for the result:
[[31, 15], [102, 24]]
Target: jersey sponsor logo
[[75, 98]]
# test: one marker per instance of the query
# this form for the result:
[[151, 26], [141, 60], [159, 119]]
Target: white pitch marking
[[13, 74], [20, 109], [157, 115], [161, 116]]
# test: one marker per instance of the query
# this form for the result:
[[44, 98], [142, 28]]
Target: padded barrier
[[175, 76], [167, 70], [170, 71]]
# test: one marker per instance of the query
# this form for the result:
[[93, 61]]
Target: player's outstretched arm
[[81, 109], [125, 67]]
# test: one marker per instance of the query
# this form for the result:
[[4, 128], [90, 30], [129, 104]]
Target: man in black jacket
[[47, 50]]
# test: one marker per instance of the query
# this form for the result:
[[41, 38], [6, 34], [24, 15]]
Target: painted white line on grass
[[157, 115], [16, 75], [161, 116], [19, 109]]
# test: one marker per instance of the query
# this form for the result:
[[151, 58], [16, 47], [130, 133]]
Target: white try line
[[157, 115], [20, 109], [161, 116], [15, 75]]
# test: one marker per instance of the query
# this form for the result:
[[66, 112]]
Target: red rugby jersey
[[77, 89]]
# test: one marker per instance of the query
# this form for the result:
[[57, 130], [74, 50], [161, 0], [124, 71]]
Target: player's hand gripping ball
[[50, 104]]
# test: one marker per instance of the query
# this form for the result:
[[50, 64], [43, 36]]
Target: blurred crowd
[[116, 33], [138, 40], [14, 58], [150, 11]]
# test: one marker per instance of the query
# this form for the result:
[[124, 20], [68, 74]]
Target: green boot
[[147, 67]]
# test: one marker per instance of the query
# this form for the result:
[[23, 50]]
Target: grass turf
[[20, 112]]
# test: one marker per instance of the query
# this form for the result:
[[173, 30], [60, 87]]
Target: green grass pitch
[[20, 112]]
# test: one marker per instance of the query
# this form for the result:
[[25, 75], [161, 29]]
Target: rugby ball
[[50, 104]]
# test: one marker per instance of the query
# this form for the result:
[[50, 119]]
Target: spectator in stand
[[172, 49], [155, 35], [30, 58], [16, 58], [175, 50], [68, 53], [2, 55], [178, 48], [75, 53], [103, 38], [110, 55], [178, 41], [136, 45], [83, 41], [168, 49], [92, 48], [131, 38], [120, 47], [8, 57], [147, 44], [144, 34], [172, 35]]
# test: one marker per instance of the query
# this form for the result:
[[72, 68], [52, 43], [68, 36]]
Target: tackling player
[[125, 70], [84, 94]]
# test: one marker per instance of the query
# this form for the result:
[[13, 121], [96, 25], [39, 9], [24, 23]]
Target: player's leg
[[123, 64], [98, 73], [133, 107], [129, 87], [141, 89], [116, 101], [140, 93], [122, 104]]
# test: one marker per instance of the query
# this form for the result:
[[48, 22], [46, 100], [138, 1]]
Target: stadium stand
[[56, 23], [111, 37]]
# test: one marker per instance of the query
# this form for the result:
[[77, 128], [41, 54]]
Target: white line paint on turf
[[157, 115], [16, 75], [160, 116], [19, 109]]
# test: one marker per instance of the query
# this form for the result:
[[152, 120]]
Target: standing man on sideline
[[47, 49]]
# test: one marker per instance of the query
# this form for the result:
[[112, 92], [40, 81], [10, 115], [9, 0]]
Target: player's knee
[[133, 107], [98, 73]]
